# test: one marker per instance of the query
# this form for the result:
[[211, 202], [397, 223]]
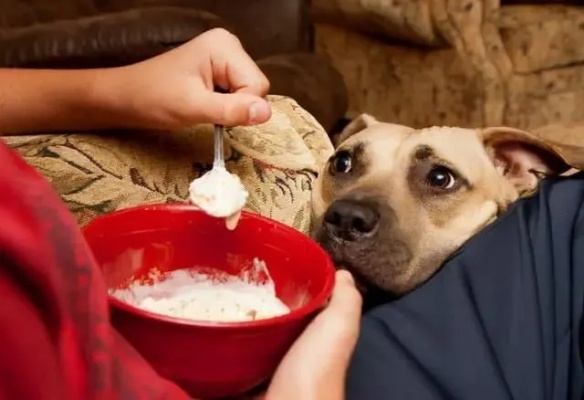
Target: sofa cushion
[[542, 37], [19, 13], [103, 40], [98, 173], [407, 20]]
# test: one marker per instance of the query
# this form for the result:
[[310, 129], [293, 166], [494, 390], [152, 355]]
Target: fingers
[[345, 297], [234, 109], [333, 333], [316, 364], [233, 69], [343, 312]]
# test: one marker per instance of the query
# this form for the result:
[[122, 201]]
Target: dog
[[394, 203]]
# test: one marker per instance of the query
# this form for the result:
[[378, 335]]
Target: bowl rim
[[318, 302]]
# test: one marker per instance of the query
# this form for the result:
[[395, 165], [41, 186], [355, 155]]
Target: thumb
[[232, 109], [345, 297], [341, 318], [335, 329]]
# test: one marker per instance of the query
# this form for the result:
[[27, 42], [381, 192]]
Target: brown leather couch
[[102, 33]]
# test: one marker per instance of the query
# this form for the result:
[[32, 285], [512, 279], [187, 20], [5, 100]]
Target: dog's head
[[393, 203]]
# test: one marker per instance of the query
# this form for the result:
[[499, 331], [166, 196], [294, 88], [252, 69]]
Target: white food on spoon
[[219, 193]]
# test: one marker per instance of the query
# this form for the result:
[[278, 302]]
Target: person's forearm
[[57, 100]]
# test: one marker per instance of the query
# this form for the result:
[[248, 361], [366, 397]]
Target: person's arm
[[172, 90], [55, 100], [57, 342]]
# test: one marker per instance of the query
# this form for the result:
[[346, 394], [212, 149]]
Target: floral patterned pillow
[[99, 173]]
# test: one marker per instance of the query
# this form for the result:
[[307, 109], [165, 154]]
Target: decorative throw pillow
[[99, 173]]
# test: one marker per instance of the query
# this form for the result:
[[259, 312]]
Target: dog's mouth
[[337, 248], [372, 295]]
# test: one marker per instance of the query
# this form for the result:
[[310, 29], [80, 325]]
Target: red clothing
[[56, 341]]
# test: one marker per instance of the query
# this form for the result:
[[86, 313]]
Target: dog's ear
[[523, 158], [357, 125]]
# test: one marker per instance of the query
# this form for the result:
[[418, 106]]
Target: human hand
[[176, 89], [315, 366]]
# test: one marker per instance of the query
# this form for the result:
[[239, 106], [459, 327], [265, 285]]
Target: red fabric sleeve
[[30, 366], [56, 341]]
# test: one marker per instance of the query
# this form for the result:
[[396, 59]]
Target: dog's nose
[[351, 217]]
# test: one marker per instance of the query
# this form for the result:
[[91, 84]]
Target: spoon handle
[[218, 161]]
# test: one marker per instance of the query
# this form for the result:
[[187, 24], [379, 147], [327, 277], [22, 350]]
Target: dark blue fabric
[[501, 320]]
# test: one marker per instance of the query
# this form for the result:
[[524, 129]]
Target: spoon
[[218, 192], [218, 159]]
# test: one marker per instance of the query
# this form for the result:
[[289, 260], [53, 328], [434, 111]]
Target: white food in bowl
[[197, 296]]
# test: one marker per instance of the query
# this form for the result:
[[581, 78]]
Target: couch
[[101, 172], [458, 62]]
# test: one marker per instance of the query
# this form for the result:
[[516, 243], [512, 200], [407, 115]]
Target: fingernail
[[259, 112], [346, 277]]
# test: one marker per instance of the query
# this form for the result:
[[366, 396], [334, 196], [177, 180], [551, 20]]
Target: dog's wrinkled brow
[[424, 152], [356, 150]]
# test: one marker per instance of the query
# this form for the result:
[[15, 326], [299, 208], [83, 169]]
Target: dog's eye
[[341, 163], [441, 178]]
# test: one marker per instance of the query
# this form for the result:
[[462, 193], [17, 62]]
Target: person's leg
[[501, 319]]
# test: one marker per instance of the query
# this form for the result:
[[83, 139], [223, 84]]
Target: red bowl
[[207, 359]]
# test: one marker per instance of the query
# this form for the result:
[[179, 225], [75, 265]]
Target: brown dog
[[393, 203]]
